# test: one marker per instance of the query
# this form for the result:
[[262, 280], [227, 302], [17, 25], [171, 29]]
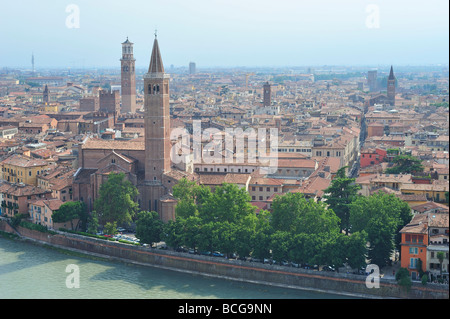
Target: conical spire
[[391, 74], [156, 65]]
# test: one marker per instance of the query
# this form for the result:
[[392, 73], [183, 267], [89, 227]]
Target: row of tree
[[298, 229], [381, 216], [346, 227]]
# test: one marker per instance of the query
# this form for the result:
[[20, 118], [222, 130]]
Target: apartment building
[[21, 169], [16, 198], [425, 238]]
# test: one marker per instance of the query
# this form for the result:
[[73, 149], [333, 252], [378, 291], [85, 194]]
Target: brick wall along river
[[233, 269]]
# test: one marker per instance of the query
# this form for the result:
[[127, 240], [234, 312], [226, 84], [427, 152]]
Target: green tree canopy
[[305, 231], [116, 201], [110, 228], [339, 195], [93, 223], [403, 278], [405, 164], [228, 203], [293, 213], [380, 216], [149, 227], [70, 211], [172, 233], [190, 197]]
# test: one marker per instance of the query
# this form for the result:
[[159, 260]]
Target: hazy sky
[[225, 32]]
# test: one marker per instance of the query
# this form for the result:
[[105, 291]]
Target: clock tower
[[128, 78]]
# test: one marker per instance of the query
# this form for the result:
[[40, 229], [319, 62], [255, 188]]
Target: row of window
[[319, 153], [370, 156], [275, 189], [11, 171], [414, 238], [291, 150], [432, 255], [260, 197], [414, 261], [205, 169]]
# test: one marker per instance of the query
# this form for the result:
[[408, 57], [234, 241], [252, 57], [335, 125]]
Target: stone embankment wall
[[233, 269]]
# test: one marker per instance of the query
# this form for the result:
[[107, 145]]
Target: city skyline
[[225, 33]]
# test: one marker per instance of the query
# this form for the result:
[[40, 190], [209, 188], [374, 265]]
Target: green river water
[[34, 272]]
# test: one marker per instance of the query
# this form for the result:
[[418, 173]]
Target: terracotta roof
[[412, 197], [265, 181], [421, 222], [426, 187], [392, 178], [22, 161], [300, 163], [219, 179], [313, 186], [438, 220], [21, 190], [416, 226], [422, 208], [97, 143], [259, 206], [53, 204]]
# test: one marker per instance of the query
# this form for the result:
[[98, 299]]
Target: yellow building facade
[[21, 169]]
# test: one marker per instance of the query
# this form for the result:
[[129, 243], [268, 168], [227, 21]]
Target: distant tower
[[32, 62], [157, 130], [128, 78], [372, 80], [266, 94], [45, 97], [192, 68], [391, 87], [109, 102]]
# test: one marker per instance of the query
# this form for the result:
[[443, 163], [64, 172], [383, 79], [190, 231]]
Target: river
[[29, 271]]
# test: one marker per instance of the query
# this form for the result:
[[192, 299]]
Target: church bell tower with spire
[[391, 87], [157, 130]]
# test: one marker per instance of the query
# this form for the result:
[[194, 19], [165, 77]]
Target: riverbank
[[272, 275]]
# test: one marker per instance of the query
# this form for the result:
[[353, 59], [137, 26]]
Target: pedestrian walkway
[[389, 272]]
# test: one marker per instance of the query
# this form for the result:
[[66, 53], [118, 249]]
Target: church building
[[145, 161]]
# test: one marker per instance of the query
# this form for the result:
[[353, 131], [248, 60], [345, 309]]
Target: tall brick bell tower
[[157, 132], [128, 78]]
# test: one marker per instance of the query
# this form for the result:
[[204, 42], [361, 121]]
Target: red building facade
[[372, 157]]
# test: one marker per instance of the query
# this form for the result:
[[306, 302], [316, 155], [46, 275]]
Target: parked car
[[217, 254], [295, 265], [362, 270], [121, 229], [284, 263], [306, 266], [328, 268], [205, 253]]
